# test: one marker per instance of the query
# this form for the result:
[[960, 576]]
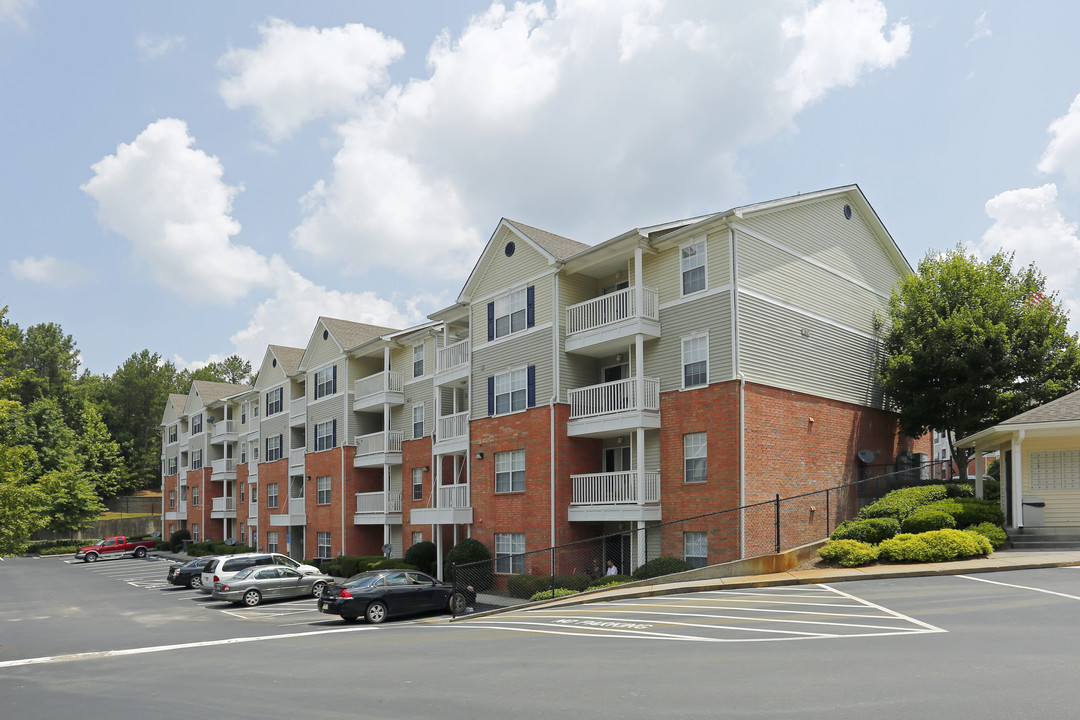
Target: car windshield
[[244, 574], [362, 580]]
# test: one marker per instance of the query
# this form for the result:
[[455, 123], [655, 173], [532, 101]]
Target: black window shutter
[[491, 395], [532, 386], [530, 306], [268, 402], [266, 449], [334, 391], [491, 321], [281, 446], [333, 435]]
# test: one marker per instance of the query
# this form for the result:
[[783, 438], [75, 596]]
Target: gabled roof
[[1057, 417], [1064, 409], [288, 358], [177, 401], [557, 246], [210, 392], [349, 334]]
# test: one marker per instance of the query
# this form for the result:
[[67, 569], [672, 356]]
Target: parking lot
[[989, 645]]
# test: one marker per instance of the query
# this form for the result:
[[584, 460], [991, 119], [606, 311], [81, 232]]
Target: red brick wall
[[328, 518], [273, 472]]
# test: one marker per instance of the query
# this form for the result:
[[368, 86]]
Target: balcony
[[614, 497], [452, 508], [378, 508], [452, 434], [253, 470], [374, 391], [223, 469], [295, 514], [298, 412], [185, 442], [613, 408], [296, 460], [223, 431], [223, 507], [606, 324], [177, 513], [452, 363], [381, 448]]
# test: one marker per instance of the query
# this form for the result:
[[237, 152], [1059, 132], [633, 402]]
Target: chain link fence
[[770, 526]]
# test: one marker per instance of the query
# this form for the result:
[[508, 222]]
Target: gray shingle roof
[[557, 245], [288, 357], [1064, 409], [178, 402], [353, 334], [210, 391]]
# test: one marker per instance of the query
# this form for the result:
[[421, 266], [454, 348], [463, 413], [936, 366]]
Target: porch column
[[1017, 480], [980, 470], [638, 309], [639, 390]]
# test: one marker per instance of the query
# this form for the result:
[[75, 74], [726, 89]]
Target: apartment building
[[575, 390]]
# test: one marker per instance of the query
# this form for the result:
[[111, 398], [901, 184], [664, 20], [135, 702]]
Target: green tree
[[974, 342], [99, 456]]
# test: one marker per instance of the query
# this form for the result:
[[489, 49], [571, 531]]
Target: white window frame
[[272, 541], [324, 382], [196, 424], [273, 444], [696, 548], [253, 493], [509, 553], [511, 312], [255, 410], [418, 362], [510, 471], [172, 434], [506, 386], [172, 466], [323, 542], [243, 453], [693, 255], [417, 537], [172, 498], [196, 459], [194, 532], [324, 435], [415, 408], [276, 402], [255, 451], [685, 360], [417, 483], [194, 495], [322, 490], [695, 458], [271, 495]]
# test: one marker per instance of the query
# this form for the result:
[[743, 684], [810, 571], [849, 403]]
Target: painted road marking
[[1020, 587]]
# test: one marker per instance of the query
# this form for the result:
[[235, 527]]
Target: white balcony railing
[[453, 426], [452, 356], [453, 496], [614, 397], [376, 502], [223, 465], [614, 488], [223, 504], [387, 381], [612, 308], [380, 442], [223, 428], [297, 408]]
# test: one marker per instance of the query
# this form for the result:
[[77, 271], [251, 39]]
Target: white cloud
[[300, 73], [15, 11], [1063, 152], [575, 118], [155, 46], [169, 200], [982, 29], [48, 270]]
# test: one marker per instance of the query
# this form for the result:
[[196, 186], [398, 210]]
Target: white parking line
[[1020, 587]]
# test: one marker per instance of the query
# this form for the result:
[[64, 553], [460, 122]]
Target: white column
[[1017, 480], [980, 470], [639, 388]]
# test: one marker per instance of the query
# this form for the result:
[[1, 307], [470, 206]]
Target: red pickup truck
[[114, 547]]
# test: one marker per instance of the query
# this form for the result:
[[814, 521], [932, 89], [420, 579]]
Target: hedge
[[871, 530], [935, 546], [926, 519], [662, 565], [900, 503], [552, 594], [216, 547], [849, 553], [424, 556], [609, 581], [992, 532]]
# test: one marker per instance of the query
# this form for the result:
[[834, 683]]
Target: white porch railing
[[452, 426], [452, 356], [614, 488], [223, 504], [381, 442], [453, 496], [612, 308], [614, 397], [222, 428], [297, 407], [223, 465], [386, 381], [375, 502]]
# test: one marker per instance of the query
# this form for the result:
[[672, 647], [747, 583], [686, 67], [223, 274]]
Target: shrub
[[208, 547], [470, 550], [935, 546], [960, 490], [992, 532], [871, 530], [849, 553], [176, 540], [424, 556], [572, 581], [926, 519], [975, 511], [662, 565], [59, 550], [389, 564], [900, 503], [523, 586], [992, 489], [609, 581], [552, 594], [905, 547], [39, 547]]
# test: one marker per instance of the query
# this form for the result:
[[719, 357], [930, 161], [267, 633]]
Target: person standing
[[612, 568]]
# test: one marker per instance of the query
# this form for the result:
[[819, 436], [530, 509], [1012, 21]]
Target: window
[[326, 382], [195, 495], [254, 452], [509, 553], [254, 410], [183, 493], [274, 402], [418, 360], [271, 541], [692, 262], [254, 494], [195, 532], [418, 421], [243, 453], [172, 498], [326, 435], [242, 489], [172, 466], [273, 448], [696, 548], [695, 361], [694, 456], [242, 538], [417, 483], [196, 424], [511, 312], [322, 493], [510, 471], [196, 459], [324, 545], [243, 416], [172, 433], [271, 496], [511, 391], [417, 537]]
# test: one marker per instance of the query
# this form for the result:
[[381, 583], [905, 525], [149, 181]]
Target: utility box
[[1034, 512]]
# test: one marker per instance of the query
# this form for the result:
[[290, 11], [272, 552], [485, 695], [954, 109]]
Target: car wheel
[[140, 552], [457, 604], [195, 582], [252, 598], [375, 613], [90, 557], [317, 589]]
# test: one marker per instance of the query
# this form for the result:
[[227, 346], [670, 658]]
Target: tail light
[[216, 578], [225, 588], [345, 593]]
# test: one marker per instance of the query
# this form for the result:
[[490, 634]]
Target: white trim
[[807, 313], [702, 240], [512, 336]]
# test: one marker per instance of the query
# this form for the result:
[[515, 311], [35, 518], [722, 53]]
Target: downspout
[[736, 364], [344, 434], [554, 390]]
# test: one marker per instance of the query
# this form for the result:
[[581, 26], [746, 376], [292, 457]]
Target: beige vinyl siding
[[542, 309], [269, 376], [712, 313], [652, 452], [271, 427], [819, 230], [310, 384], [321, 352], [663, 271], [503, 273], [522, 349], [781, 275], [324, 410], [830, 362], [360, 368], [421, 391], [574, 370], [1062, 506]]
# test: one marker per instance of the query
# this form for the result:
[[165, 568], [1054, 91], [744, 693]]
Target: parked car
[[189, 574], [226, 566], [262, 582], [377, 594], [114, 547]]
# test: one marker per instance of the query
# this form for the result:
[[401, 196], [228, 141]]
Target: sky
[[203, 179]]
